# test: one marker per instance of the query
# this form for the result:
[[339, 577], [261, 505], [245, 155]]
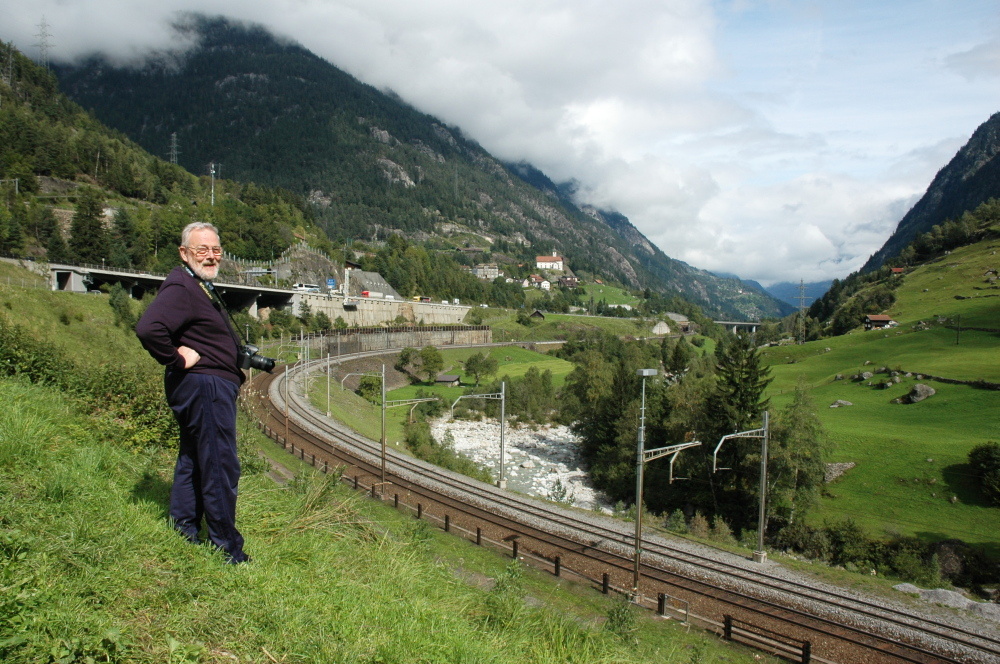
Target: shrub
[[699, 526], [810, 542], [505, 602], [420, 441], [848, 543], [721, 532], [985, 462], [676, 522], [23, 355], [622, 620], [121, 304]]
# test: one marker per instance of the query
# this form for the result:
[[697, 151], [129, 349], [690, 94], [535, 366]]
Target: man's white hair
[[196, 226]]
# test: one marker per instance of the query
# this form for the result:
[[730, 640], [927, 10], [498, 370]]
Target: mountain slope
[[971, 178], [271, 112]]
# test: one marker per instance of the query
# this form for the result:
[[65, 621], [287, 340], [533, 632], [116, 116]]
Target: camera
[[249, 359]]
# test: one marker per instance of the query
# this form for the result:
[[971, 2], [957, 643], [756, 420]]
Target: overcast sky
[[775, 139]]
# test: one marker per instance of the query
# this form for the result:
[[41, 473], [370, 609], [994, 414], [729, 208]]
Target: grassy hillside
[[91, 571], [911, 476], [563, 326]]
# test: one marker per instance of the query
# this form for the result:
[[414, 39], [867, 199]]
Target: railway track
[[753, 602]]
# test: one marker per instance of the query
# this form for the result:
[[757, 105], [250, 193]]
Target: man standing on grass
[[187, 330]]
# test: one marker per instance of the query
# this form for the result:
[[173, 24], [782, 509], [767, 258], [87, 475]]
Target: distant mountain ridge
[[267, 110], [971, 178], [788, 291]]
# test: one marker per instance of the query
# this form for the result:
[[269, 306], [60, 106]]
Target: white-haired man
[[187, 330]]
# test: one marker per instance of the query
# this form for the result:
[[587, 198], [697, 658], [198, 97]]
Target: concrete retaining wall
[[376, 311], [342, 342]]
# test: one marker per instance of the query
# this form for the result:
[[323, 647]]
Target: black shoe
[[193, 539]]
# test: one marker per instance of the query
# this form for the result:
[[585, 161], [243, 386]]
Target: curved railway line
[[757, 604]]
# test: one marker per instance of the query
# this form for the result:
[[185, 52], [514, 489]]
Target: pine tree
[[56, 250], [796, 463], [88, 238], [736, 405], [742, 379]]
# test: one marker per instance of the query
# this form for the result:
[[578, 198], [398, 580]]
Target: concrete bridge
[[259, 300], [735, 326]]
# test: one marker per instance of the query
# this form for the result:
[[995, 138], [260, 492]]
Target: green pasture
[[912, 476], [18, 276], [610, 294], [75, 322], [563, 326], [934, 351], [952, 286]]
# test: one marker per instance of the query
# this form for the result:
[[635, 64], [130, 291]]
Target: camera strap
[[209, 288]]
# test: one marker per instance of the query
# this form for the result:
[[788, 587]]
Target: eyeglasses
[[203, 251]]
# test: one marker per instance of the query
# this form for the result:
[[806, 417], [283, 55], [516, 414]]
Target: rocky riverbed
[[542, 461]]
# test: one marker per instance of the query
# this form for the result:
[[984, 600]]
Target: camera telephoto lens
[[249, 359], [262, 363]]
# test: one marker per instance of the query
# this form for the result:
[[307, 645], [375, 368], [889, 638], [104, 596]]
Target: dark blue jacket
[[183, 314]]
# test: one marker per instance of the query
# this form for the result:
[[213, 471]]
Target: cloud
[[979, 62], [774, 139]]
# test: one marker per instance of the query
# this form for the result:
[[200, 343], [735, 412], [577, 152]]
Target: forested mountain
[[970, 179], [74, 190], [268, 111]]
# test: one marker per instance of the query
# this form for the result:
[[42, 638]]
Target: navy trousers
[[208, 470]]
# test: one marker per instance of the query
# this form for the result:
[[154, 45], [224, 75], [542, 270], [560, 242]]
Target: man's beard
[[205, 272]]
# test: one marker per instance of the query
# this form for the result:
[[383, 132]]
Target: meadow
[[911, 475]]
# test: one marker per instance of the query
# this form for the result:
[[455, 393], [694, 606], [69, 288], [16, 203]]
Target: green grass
[[563, 326], [15, 275], [91, 571], [73, 322], [610, 294], [932, 290], [911, 476]]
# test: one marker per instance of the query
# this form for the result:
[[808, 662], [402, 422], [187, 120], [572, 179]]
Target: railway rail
[[758, 604]]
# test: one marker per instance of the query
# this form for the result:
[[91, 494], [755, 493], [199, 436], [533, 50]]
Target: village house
[[878, 321], [536, 281], [569, 282], [549, 262], [486, 271]]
